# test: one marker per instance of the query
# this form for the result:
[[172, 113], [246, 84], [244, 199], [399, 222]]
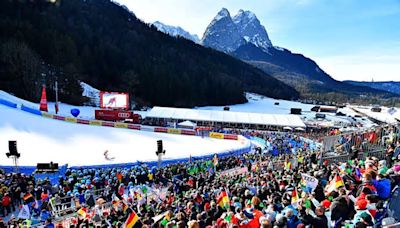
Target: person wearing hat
[[361, 210], [366, 220]]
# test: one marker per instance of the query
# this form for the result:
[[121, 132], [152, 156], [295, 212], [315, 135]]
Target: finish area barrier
[[120, 125], [138, 127]]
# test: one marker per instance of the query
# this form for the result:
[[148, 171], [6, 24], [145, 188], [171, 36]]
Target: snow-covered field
[[256, 104], [383, 116], [261, 104], [43, 140]]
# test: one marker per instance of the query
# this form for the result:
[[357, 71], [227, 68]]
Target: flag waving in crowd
[[223, 200], [133, 221], [295, 197], [334, 184], [285, 197], [215, 160]]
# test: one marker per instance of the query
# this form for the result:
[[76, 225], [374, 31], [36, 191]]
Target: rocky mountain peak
[[222, 34], [227, 34]]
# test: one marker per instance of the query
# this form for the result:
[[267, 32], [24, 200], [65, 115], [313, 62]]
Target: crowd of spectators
[[251, 190]]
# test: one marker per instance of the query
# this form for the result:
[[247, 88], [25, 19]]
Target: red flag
[[43, 100]]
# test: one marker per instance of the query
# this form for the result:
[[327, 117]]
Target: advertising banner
[[174, 131], [234, 171], [58, 117], [112, 115], [82, 121], [135, 127], [107, 124], [121, 125], [95, 123], [188, 132], [70, 119], [48, 115], [161, 129], [232, 137], [216, 135]]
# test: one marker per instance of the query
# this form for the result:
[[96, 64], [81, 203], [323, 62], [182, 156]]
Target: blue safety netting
[[171, 161], [31, 169], [31, 110], [21, 169], [8, 103]]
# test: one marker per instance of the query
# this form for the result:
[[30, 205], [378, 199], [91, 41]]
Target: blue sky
[[349, 39]]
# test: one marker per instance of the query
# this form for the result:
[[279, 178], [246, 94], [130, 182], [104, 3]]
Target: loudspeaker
[[12, 147], [160, 149], [159, 146]]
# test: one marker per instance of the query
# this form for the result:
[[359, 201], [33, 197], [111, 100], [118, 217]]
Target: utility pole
[[56, 104]]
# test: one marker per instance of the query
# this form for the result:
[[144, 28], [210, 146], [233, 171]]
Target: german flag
[[295, 197], [27, 197], [336, 183], [132, 220]]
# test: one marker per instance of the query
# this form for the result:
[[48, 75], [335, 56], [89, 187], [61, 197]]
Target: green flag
[[350, 162], [348, 170], [228, 218], [307, 204], [144, 189]]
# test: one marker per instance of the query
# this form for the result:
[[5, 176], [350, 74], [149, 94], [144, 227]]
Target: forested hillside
[[105, 45]]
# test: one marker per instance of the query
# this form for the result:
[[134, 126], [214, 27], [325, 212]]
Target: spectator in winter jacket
[[340, 209], [383, 187], [6, 204], [319, 220], [292, 220]]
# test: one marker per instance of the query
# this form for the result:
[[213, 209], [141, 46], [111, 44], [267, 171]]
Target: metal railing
[[379, 153]]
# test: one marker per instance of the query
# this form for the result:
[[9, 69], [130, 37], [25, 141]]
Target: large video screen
[[114, 100]]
